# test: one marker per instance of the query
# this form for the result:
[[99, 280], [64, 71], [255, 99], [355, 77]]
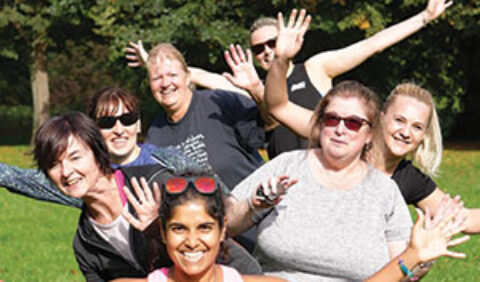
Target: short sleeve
[[159, 275], [413, 183], [397, 217], [243, 114]]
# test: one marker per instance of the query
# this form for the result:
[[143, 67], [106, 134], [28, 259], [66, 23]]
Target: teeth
[[72, 182], [193, 256]]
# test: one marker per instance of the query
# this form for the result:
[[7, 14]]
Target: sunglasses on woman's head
[[352, 123], [260, 47], [203, 184], [107, 122]]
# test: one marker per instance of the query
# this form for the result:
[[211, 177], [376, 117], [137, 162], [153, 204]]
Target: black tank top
[[301, 92]]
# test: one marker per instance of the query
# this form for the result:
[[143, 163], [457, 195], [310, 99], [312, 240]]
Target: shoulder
[[230, 274], [158, 275], [380, 183]]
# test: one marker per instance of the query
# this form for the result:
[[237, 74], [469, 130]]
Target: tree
[[32, 22]]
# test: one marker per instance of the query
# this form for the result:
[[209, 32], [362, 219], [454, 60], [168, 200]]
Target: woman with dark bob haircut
[[70, 150]]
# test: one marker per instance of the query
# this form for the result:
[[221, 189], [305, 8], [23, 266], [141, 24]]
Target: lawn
[[36, 238]]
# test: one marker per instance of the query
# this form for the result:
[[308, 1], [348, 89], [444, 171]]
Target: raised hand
[[244, 74], [136, 54], [271, 192], [431, 243], [435, 8], [146, 206], [290, 37]]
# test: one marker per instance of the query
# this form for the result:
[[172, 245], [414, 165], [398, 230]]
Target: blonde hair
[[261, 22], [428, 154], [347, 89], [165, 51]]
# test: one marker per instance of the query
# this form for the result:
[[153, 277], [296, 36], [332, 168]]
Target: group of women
[[332, 212]]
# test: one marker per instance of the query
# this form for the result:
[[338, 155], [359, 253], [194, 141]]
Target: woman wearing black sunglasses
[[116, 113], [309, 81]]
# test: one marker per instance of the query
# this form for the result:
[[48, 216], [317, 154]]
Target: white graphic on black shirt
[[195, 148]]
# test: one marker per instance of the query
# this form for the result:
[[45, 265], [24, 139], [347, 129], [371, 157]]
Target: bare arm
[[243, 213], [433, 201], [211, 80], [289, 42], [428, 242], [137, 56], [333, 63]]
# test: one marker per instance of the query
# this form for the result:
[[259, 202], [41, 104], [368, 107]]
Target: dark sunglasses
[[260, 48], [107, 122], [353, 123], [203, 184]]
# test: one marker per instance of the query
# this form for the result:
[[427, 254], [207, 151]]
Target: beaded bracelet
[[406, 271]]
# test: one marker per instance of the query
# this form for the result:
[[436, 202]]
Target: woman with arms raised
[[410, 128]]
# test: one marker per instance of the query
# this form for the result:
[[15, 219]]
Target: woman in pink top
[[192, 219]]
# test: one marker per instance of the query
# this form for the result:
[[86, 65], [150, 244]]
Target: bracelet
[[406, 271]]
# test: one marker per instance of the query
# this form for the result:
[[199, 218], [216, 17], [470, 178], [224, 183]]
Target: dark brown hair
[[108, 100], [51, 140]]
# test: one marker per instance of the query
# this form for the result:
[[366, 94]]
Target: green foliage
[[438, 57], [14, 119]]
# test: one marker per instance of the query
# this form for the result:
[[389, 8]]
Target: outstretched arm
[[430, 239], [433, 201], [289, 42], [330, 64], [245, 77], [137, 56], [34, 184]]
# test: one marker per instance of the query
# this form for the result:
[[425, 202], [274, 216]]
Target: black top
[[100, 261], [221, 130], [301, 92], [413, 183]]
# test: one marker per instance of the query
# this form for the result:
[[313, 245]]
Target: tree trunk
[[40, 90]]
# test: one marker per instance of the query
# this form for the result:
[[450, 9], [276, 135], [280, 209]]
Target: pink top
[[229, 275], [120, 179]]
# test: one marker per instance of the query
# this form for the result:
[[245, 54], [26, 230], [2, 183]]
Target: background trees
[[83, 43]]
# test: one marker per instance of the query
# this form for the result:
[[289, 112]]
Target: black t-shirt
[[301, 92], [221, 130], [413, 183]]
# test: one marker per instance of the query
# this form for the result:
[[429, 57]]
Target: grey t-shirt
[[319, 234]]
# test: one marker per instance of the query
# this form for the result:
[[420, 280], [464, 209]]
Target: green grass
[[36, 238]]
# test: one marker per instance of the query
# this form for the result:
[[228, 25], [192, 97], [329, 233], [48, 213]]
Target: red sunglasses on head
[[352, 123], [203, 184], [260, 47]]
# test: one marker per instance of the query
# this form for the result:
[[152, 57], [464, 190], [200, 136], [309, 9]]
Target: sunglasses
[[107, 122], [203, 184], [352, 123], [260, 48]]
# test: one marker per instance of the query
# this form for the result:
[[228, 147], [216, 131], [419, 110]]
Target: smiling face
[[75, 171], [192, 238], [121, 139], [169, 84], [260, 37], [404, 125], [340, 144]]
